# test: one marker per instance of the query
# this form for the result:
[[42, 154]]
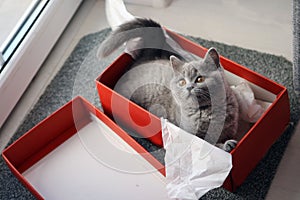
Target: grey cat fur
[[207, 109]]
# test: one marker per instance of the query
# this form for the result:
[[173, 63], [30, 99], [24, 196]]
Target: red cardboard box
[[57, 160], [250, 149]]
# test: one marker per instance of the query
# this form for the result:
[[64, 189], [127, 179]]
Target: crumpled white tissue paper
[[250, 108], [193, 166]]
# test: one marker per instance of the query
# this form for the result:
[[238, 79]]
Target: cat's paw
[[229, 145]]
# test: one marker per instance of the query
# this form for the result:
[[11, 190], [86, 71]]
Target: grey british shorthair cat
[[193, 95]]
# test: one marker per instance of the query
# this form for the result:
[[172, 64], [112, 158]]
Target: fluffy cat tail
[[149, 33]]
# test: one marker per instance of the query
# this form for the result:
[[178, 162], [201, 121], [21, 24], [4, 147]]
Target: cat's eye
[[200, 79], [182, 82]]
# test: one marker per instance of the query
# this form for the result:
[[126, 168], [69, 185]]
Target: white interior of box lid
[[96, 164]]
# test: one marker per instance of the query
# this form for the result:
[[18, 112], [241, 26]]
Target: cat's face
[[195, 80]]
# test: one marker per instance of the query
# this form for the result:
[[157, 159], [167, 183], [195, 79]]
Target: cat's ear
[[212, 57], [176, 63]]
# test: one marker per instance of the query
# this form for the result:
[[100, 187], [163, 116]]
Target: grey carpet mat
[[77, 78], [296, 44]]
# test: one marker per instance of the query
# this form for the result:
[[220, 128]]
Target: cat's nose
[[190, 87]]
